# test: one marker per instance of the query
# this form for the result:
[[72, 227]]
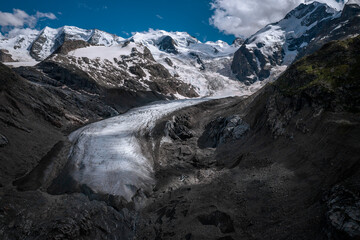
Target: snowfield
[[104, 52]]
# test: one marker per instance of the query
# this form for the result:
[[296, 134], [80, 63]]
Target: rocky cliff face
[[5, 56], [35, 115], [345, 25], [168, 44]]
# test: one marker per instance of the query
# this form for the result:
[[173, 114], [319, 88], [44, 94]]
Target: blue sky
[[123, 17]]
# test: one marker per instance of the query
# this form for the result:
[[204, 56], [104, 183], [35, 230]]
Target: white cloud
[[126, 33], [245, 17], [159, 17], [21, 31], [45, 15], [19, 18]]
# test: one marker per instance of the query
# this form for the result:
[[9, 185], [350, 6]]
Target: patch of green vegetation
[[334, 66], [329, 77]]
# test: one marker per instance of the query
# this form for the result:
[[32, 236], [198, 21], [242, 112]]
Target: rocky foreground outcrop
[[37, 215]]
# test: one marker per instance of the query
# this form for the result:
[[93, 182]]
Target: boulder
[[223, 129], [3, 141], [219, 219], [179, 128], [343, 213]]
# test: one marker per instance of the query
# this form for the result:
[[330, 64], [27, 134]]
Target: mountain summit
[[303, 31]]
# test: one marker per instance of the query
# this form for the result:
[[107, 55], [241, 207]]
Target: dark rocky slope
[[137, 72], [35, 117], [283, 164]]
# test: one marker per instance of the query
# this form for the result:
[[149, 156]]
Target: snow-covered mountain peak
[[48, 30], [279, 43], [182, 43], [17, 43], [75, 33], [38, 45], [306, 9], [283, 34], [103, 38], [299, 20], [154, 37]]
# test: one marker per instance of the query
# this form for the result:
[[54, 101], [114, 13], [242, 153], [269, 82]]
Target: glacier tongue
[[107, 156]]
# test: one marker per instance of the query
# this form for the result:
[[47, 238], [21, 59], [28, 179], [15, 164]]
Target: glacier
[[107, 155]]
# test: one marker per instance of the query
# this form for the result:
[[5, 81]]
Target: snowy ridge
[[23, 44], [185, 43], [118, 59], [206, 66], [54, 38], [110, 65]]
